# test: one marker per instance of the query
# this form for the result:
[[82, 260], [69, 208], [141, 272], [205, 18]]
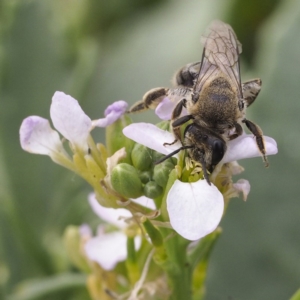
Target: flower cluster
[[144, 206]]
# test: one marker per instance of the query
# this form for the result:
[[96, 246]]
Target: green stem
[[178, 270]]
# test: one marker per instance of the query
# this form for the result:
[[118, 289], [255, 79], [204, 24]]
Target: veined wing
[[221, 54]]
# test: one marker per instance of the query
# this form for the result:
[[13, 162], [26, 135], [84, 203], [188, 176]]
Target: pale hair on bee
[[214, 97]]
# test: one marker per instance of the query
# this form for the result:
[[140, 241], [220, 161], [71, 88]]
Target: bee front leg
[[150, 100], [255, 129], [178, 121]]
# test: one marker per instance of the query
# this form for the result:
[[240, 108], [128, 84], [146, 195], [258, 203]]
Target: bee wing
[[221, 53]]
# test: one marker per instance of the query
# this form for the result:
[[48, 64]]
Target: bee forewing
[[221, 53]]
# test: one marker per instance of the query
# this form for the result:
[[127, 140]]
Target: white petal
[[151, 136], [195, 209], [165, 108], [145, 201], [36, 136], [242, 185], [109, 249], [70, 120], [112, 113], [113, 216], [245, 147]]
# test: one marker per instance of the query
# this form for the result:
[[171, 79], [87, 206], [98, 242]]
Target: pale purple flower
[[109, 248], [195, 209], [36, 135]]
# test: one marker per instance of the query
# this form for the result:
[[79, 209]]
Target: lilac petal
[[195, 209], [165, 108], [109, 249], [36, 136], [112, 113], [145, 201], [151, 136], [242, 185], [113, 216], [70, 120], [245, 147]]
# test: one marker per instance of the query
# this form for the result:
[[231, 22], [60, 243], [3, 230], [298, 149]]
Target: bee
[[214, 98]]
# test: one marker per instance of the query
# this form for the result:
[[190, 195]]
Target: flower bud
[[115, 139], [161, 172], [145, 176], [141, 157], [152, 190], [125, 180]]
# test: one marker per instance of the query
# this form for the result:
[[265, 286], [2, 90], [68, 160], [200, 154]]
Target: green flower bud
[[125, 180], [161, 172], [145, 176], [141, 157], [115, 139], [152, 190]]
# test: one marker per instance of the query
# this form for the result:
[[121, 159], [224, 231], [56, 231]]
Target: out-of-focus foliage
[[102, 51]]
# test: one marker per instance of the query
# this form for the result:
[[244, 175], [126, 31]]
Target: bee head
[[205, 147]]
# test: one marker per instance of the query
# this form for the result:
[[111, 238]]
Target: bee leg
[[178, 121], [238, 131], [150, 100], [255, 129], [251, 90]]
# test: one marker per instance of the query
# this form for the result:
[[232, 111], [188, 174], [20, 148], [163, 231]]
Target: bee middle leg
[[255, 129], [150, 100], [251, 90]]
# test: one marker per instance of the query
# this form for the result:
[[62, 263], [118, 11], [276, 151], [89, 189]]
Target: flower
[[36, 135], [109, 248], [195, 209]]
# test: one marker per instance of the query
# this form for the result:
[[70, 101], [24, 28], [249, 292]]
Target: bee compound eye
[[218, 150]]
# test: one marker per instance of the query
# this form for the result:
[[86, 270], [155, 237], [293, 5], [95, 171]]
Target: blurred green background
[[101, 51]]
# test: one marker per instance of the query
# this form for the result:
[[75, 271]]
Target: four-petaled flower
[[109, 248], [195, 209]]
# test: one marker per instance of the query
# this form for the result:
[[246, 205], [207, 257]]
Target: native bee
[[214, 98]]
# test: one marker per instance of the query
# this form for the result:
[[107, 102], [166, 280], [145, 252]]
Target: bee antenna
[[172, 153]]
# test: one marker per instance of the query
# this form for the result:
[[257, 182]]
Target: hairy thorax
[[217, 105]]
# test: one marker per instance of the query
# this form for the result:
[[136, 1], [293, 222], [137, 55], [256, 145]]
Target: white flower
[[109, 248], [36, 135], [195, 209]]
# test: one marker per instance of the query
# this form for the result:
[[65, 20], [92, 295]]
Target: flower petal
[[36, 136], [70, 120], [112, 113], [145, 201], [245, 147], [242, 185], [110, 215], [151, 136], [195, 209], [165, 108], [109, 249]]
